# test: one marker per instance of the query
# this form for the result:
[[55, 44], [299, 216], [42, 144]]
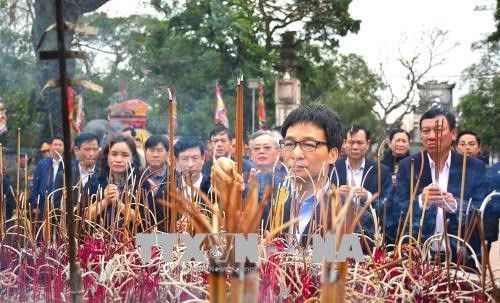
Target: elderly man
[[437, 171], [265, 151]]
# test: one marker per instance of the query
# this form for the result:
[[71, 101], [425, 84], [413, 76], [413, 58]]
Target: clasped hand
[[438, 198]]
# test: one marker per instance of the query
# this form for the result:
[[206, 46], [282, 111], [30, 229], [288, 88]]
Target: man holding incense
[[359, 176], [436, 174], [221, 139], [312, 139]]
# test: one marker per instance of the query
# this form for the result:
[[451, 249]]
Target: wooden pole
[[76, 290]]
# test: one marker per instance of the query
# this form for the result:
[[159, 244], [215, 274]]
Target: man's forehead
[[431, 122], [156, 146], [265, 138], [293, 129], [221, 135], [468, 137], [357, 133], [90, 142], [190, 151]]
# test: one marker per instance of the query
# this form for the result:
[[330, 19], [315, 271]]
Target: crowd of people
[[443, 183]]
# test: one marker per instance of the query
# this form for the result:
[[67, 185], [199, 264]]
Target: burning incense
[[239, 130], [18, 159], [171, 187]]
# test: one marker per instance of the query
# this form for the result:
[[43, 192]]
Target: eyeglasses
[[305, 145]]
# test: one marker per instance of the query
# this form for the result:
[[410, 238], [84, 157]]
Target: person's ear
[[333, 155]]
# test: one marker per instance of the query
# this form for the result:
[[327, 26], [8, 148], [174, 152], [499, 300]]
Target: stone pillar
[[287, 85], [287, 97]]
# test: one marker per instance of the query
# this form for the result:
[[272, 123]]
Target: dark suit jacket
[[476, 188], [91, 186], [43, 183], [370, 176], [276, 182]]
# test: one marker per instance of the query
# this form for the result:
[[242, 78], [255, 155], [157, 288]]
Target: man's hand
[[224, 175], [154, 187], [359, 192], [438, 198], [344, 190]]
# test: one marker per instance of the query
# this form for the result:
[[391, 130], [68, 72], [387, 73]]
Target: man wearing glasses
[[312, 140], [265, 150]]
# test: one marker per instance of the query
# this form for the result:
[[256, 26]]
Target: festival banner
[[261, 109], [220, 112]]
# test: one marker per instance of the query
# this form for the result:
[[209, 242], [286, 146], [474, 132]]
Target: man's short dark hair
[[185, 143], [85, 137], [155, 140], [320, 116], [131, 129], [468, 132], [439, 111], [357, 128], [56, 137], [220, 129], [395, 131]]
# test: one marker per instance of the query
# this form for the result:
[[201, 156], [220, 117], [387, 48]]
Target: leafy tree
[[16, 78], [347, 85], [480, 108]]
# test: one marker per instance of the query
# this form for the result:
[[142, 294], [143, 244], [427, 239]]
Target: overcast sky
[[386, 23], [388, 26]]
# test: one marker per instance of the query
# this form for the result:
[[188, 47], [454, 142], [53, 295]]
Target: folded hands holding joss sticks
[[359, 192], [432, 195]]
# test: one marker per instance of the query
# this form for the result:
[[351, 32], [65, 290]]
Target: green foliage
[[346, 85], [17, 87], [480, 108], [480, 112]]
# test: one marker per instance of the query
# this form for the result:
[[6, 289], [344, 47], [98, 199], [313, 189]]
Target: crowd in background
[[308, 145]]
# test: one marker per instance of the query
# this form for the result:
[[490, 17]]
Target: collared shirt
[[444, 176], [55, 169], [187, 188], [354, 176], [307, 208], [85, 174]]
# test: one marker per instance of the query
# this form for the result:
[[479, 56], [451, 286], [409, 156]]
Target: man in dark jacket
[[359, 175], [49, 175], [438, 173]]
